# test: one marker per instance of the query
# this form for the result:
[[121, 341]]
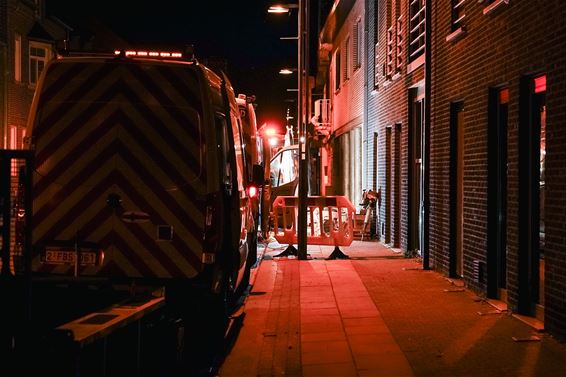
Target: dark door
[[457, 189], [532, 152], [416, 173], [497, 194]]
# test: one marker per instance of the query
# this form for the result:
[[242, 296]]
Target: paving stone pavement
[[378, 314]]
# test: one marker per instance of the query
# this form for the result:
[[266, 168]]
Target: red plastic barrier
[[330, 220]]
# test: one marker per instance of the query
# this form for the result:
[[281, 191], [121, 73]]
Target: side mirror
[[258, 175]]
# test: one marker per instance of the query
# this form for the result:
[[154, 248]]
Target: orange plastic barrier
[[330, 220]]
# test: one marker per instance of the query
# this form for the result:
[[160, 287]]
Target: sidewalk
[[378, 314]]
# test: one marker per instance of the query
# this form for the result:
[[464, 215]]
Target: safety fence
[[330, 220]]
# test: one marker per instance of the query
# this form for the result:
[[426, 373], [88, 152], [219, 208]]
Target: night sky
[[242, 32]]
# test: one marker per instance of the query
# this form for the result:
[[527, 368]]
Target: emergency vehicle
[[255, 156], [140, 184]]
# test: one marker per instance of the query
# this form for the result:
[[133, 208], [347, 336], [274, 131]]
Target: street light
[[286, 71], [286, 8], [302, 90]]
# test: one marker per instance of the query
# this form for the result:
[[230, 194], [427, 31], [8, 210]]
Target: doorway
[[532, 153], [397, 187], [388, 196], [456, 189], [416, 186], [377, 228], [497, 194]]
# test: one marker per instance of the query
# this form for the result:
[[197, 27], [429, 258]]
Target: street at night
[[307, 188]]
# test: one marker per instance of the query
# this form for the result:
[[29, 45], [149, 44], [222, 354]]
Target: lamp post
[[302, 102]]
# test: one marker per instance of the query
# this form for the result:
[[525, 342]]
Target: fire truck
[[142, 209]]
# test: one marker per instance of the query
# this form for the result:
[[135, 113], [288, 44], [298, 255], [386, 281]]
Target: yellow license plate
[[68, 257]]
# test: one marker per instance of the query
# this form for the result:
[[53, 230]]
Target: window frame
[[18, 57], [347, 61], [337, 70], [417, 29], [399, 44], [376, 45], [358, 42], [458, 14], [36, 62]]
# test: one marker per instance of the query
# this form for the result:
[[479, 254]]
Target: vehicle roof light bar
[[153, 54]]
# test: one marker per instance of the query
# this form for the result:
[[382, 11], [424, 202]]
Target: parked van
[[141, 173], [254, 159]]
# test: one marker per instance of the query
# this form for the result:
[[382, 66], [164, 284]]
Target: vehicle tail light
[[252, 191]]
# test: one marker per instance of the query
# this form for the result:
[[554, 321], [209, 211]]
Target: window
[[389, 67], [337, 71], [399, 44], [224, 147], [39, 54], [416, 28], [237, 137], [492, 5], [358, 44], [347, 59], [376, 43], [18, 58], [458, 14], [376, 66], [284, 167]]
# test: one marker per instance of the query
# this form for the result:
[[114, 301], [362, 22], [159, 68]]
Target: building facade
[[342, 40], [396, 133], [28, 39], [496, 208], [463, 137]]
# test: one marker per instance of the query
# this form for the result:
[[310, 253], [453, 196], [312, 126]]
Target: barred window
[[347, 59], [337, 72], [400, 40], [376, 66], [376, 43], [390, 45], [458, 14], [358, 44], [416, 28]]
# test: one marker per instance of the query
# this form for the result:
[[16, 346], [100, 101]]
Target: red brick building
[[396, 136], [343, 94], [28, 39]]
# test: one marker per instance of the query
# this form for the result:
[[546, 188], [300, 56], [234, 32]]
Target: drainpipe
[[428, 92]]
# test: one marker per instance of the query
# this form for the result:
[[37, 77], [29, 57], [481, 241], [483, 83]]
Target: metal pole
[[427, 104], [303, 140]]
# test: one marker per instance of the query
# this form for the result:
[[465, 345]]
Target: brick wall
[[388, 106], [21, 18], [555, 300], [498, 49], [347, 110]]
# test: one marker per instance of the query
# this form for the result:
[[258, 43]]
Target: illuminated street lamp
[[286, 8], [302, 90], [287, 71]]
